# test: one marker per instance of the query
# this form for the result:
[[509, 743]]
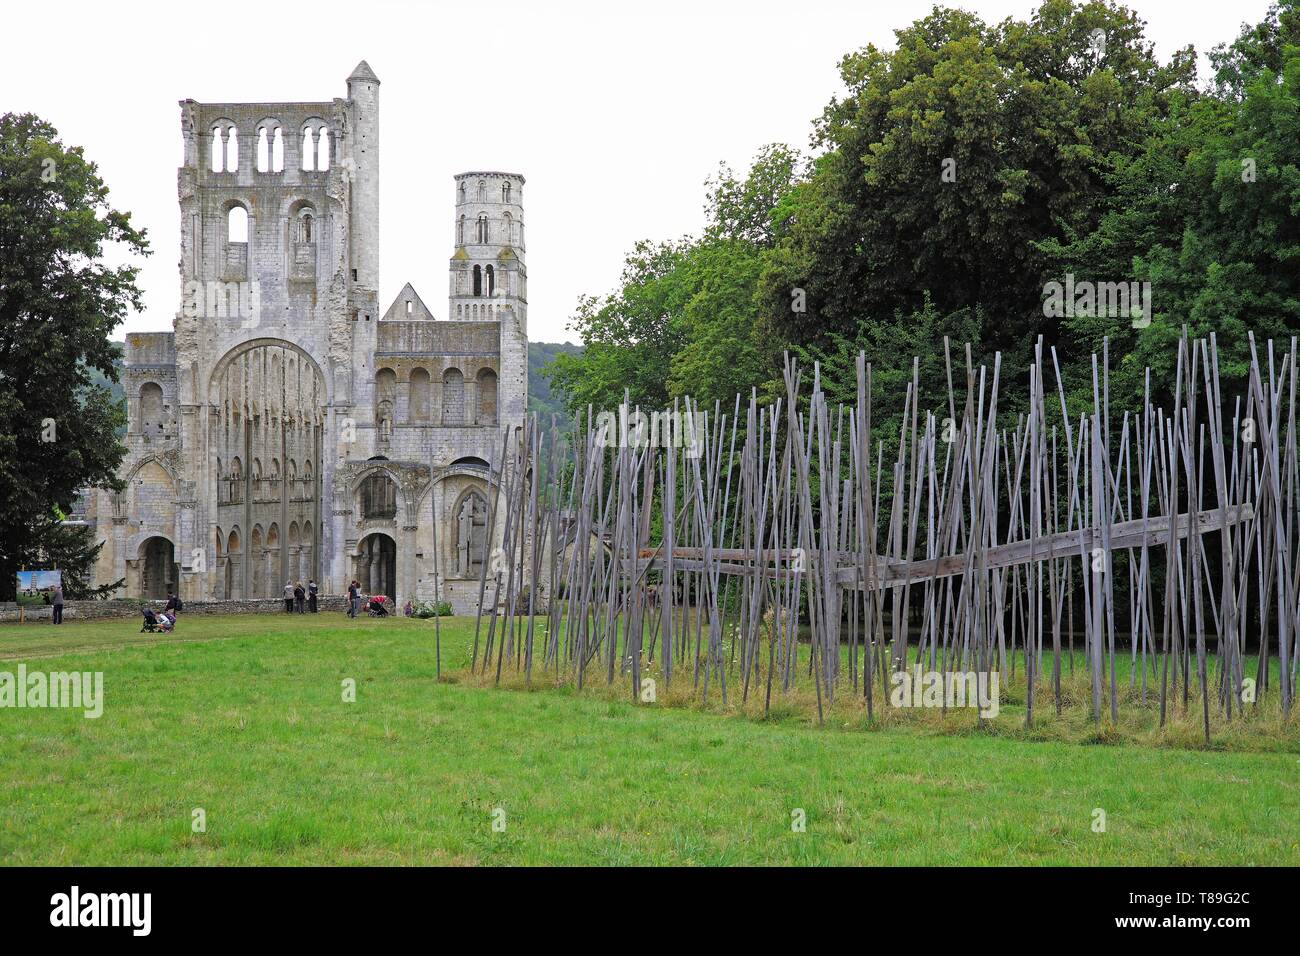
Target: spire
[[363, 72]]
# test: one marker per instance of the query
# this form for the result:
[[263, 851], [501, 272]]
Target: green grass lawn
[[244, 717]]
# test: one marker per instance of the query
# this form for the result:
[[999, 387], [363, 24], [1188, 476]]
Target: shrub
[[428, 609]]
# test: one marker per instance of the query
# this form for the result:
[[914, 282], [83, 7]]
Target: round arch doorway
[[157, 568], [376, 563]]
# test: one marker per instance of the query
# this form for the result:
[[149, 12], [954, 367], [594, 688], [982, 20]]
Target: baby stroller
[[375, 606], [155, 623]]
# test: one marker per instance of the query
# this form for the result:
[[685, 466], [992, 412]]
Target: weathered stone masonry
[[286, 429]]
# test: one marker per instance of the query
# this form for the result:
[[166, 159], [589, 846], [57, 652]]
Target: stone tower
[[489, 279]]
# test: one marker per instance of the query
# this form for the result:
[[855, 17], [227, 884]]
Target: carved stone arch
[[305, 360], [166, 464], [357, 486]]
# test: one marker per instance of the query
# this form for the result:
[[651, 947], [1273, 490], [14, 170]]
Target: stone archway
[[157, 568], [376, 564]]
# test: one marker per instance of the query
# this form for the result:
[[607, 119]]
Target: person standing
[[58, 603], [288, 597], [311, 595], [299, 598], [354, 596]]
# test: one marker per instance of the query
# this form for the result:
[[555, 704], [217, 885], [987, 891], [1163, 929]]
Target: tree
[[59, 302], [951, 158], [1206, 213]]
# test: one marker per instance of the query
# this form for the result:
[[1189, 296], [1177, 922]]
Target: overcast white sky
[[615, 113]]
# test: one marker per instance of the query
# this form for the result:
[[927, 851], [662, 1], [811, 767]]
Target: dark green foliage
[[59, 302]]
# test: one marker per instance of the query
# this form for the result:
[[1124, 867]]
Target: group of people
[[300, 599]]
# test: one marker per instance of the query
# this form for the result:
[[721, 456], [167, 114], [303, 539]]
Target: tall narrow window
[[482, 190], [221, 141], [308, 148], [460, 193], [277, 151], [478, 280], [509, 230], [323, 149], [491, 281], [232, 151], [505, 192], [482, 230], [460, 230], [263, 151]]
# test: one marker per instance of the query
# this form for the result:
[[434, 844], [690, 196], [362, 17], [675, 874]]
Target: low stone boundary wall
[[96, 610]]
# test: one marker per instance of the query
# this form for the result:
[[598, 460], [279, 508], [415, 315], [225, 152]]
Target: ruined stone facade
[[287, 429]]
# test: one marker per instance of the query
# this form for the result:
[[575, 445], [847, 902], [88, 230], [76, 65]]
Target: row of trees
[[956, 176]]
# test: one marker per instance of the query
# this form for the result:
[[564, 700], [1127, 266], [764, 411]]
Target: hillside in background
[[540, 397], [115, 388]]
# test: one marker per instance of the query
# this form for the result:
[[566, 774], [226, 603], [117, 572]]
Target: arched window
[[509, 230], [487, 397], [225, 147], [482, 229], [505, 192], [471, 534], [419, 395], [270, 147], [453, 397], [378, 497], [218, 149], [151, 409], [306, 227], [237, 224], [482, 190], [460, 192], [491, 281], [478, 280], [308, 148], [460, 229]]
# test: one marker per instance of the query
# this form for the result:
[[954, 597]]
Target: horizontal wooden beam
[[889, 572]]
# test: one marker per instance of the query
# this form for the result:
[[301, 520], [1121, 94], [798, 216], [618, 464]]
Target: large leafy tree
[[952, 157], [59, 302]]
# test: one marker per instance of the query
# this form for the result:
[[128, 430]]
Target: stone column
[[406, 566]]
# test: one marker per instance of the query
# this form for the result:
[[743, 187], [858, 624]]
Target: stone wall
[[97, 610]]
